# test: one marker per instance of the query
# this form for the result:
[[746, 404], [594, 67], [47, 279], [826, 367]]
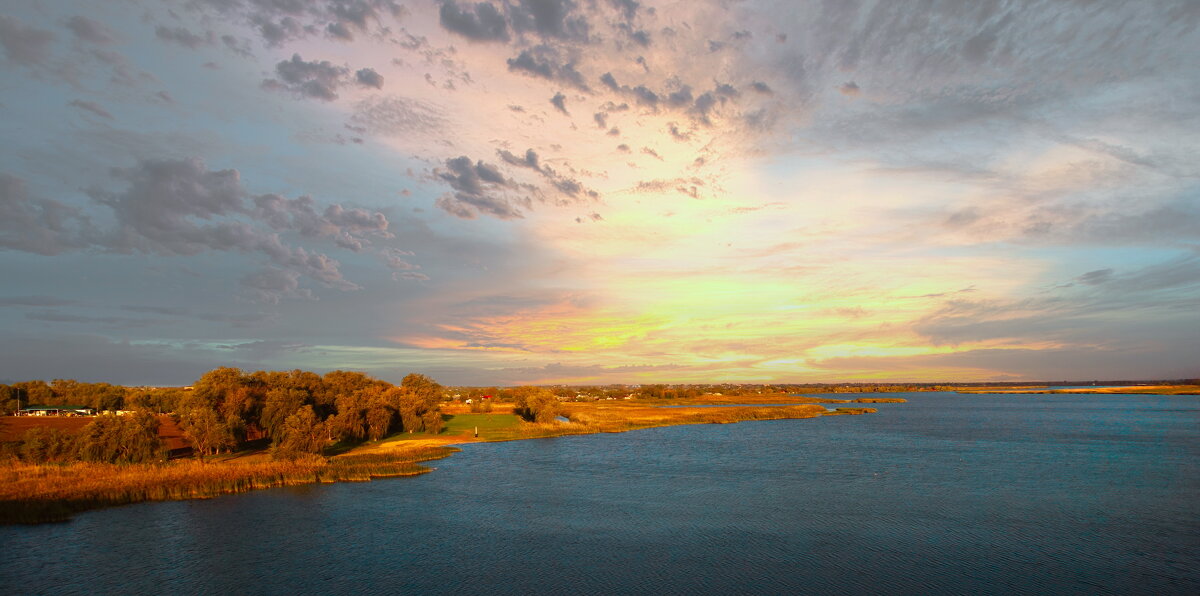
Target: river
[[982, 494]]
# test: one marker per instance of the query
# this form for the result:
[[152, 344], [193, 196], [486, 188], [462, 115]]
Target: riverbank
[[36, 493]]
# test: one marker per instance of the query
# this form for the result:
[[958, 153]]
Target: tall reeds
[[31, 493]]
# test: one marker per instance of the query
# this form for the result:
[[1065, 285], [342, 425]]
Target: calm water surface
[[945, 494]]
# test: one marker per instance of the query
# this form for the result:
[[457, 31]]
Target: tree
[[280, 403], [8, 400], [43, 444], [417, 400], [205, 430], [302, 433], [539, 405], [380, 419], [131, 438]]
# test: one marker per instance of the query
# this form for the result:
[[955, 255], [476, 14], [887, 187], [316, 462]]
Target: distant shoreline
[[1123, 390]]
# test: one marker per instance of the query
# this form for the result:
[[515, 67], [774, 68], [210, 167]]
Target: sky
[[600, 191]]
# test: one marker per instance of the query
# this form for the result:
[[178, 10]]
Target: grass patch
[[492, 427]]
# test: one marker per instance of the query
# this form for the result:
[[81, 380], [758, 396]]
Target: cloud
[[181, 208], [479, 22], [367, 77], [850, 88], [24, 45], [348, 228], [316, 79], [91, 107], [1095, 278], [680, 97], [560, 103], [568, 189], [281, 21], [91, 31], [38, 225], [550, 19], [184, 37], [478, 188], [394, 115], [543, 61], [119, 322], [265, 349], [272, 284]]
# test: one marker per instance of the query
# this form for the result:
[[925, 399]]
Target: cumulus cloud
[[560, 103], [180, 207], [479, 22], [367, 77], [544, 61], [271, 284], [38, 225], [315, 79], [280, 21], [348, 228], [478, 188], [557, 19], [676, 96], [561, 20]]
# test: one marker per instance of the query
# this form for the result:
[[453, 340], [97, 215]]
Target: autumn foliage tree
[[131, 438], [302, 433], [299, 411], [536, 404]]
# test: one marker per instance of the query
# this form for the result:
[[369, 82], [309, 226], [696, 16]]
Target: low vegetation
[[33, 493]]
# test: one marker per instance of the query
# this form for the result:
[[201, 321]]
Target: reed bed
[[31, 493]]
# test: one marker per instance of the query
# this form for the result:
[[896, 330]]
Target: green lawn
[[492, 427]]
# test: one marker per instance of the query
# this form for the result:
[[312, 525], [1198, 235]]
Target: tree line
[[297, 412]]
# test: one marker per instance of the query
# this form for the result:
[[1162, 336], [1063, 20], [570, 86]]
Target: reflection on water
[[947, 493]]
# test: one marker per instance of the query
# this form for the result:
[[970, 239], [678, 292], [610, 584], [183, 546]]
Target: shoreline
[[45, 493]]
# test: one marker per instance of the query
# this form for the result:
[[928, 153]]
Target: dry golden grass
[[32, 493], [621, 416]]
